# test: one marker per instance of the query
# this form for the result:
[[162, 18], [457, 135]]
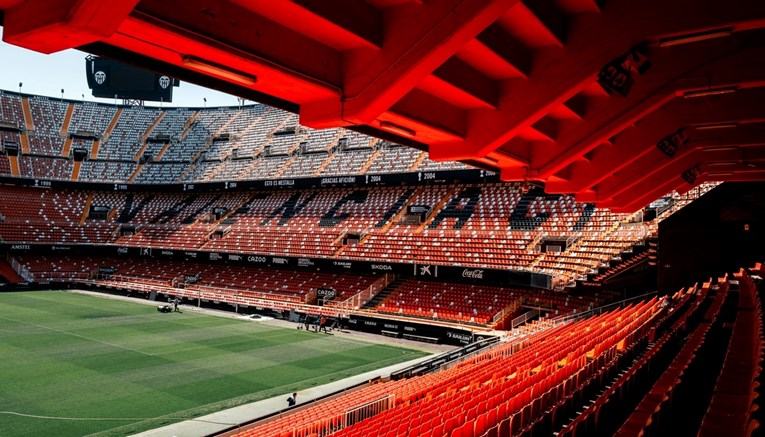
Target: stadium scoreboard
[[112, 79]]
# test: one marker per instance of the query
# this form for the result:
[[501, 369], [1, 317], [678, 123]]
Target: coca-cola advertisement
[[472, 273]]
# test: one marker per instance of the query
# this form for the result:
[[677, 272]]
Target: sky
[[47, 74]]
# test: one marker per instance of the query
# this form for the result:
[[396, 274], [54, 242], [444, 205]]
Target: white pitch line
[[77, 335], [111, 419]]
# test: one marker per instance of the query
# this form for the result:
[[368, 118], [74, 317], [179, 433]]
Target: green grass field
[[77, 356]]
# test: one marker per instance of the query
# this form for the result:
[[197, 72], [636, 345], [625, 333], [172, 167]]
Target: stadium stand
[[621, 266], [5, 166], [604, 414], [107, 171], [347, 162], [570, 376], [45, 145], [469, 303], [305, 165], [129, 134], [48, 117], [468, 225], [91, 117], [586, 368], [10, 108], [429, 165], [11, 137], [196, 133], [160, 173], [488, 225], [8, 274], [251, 142], [551, 381], [516, 382], [282, 285], [594, 108], [234, 169], [313, 223], [445, 302], [46, 168], [732, 408]]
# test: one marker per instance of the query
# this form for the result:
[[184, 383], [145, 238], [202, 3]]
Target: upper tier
[[153, 145]]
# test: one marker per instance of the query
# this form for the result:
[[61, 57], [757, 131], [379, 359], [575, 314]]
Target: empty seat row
[[520, 379]]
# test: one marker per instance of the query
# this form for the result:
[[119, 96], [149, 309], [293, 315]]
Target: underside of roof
[[615, 101]]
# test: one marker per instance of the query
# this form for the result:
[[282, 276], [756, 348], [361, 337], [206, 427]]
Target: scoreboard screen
[[110, 79]]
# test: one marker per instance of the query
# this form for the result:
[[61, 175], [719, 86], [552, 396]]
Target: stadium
[[422, 218]]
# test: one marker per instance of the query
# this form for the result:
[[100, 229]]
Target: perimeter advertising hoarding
[[422, 271], [438, 334], [461, 176]]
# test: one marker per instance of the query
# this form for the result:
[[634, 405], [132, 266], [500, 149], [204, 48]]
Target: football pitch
[[123, 367]]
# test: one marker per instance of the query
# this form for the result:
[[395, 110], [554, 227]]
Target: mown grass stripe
[[79, 356]]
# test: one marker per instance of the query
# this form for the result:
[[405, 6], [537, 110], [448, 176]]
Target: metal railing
[[523, 318], [444, 359], [241, 292], [21, 270], [216, 295], [359, 299], [509, 309], [367, 410], [664, 208], [58, 277], [604, 308]]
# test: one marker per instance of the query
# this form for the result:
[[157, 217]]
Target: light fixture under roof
[[220, 71], [716, 126], [719, 148], [710, 92], [490, 160], [695, 37], [395, 128]]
